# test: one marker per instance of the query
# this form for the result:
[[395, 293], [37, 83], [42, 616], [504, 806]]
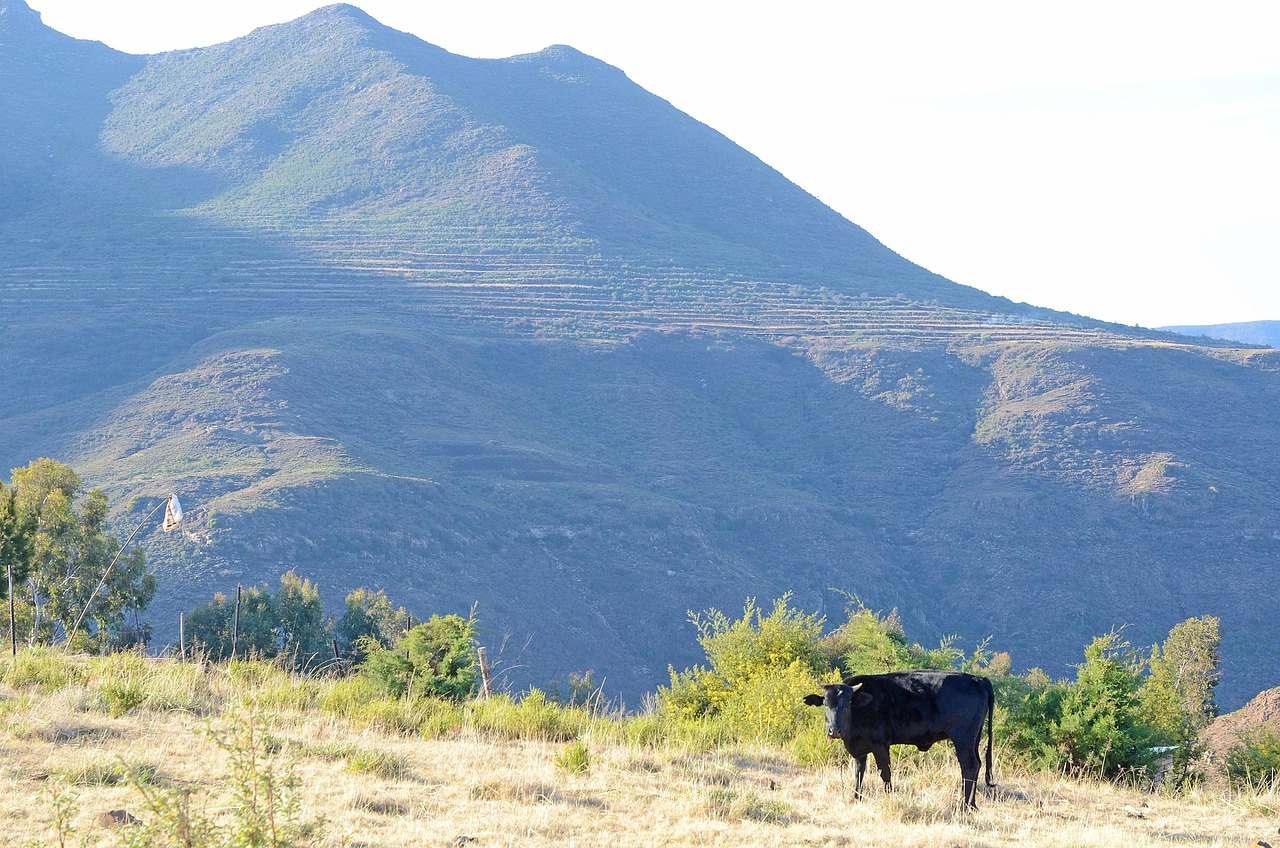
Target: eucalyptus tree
[[68, 554]]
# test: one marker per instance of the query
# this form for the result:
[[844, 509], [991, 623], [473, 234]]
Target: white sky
[[1115, 159]]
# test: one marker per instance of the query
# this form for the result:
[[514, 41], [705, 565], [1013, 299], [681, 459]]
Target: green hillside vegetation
[[518, 332]]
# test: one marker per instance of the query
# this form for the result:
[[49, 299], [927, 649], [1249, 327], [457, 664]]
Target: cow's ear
[[813, 700], [861, 699]]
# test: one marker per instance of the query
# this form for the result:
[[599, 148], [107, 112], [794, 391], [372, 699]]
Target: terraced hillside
[[518, 333]]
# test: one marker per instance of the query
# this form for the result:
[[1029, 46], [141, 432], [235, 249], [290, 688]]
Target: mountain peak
[[16, 15], [341, 12]]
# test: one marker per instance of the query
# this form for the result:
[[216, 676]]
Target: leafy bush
[[761, 668], [1254, 762], [869, 643], [574, 758], [1100, 729], [1093, 725], [437, 657], [1027, 711]]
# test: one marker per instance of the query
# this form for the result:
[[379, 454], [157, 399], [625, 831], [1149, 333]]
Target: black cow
[[870, 712]]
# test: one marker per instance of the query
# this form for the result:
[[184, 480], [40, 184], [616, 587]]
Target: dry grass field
[[62, 749]]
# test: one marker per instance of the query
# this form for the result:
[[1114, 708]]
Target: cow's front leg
[[859, 769], [882, 762]]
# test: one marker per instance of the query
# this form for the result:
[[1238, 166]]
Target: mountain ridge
[[1265, 333]]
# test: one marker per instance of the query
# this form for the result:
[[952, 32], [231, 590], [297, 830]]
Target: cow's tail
[[991, 720]]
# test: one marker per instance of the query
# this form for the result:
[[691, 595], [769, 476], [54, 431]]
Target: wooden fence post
[[182, 637]]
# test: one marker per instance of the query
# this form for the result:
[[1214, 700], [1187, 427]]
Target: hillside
[[518, 333]]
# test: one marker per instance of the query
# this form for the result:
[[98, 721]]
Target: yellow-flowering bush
[[761, 667]]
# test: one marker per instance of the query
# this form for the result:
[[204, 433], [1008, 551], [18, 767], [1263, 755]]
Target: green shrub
[[443, 652], [121, 696], [761, 667], [1100, 729], [1254, 762], [387, 670], [1093, 725], [1027, 711], [437, 657], [770, 707], [574, 758], [868, 643]]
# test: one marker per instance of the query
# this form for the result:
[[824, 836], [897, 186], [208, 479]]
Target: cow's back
[[922, 707]]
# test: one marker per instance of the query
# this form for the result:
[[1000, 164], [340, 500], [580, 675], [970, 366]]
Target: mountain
[[520, 334], [1264, 333]]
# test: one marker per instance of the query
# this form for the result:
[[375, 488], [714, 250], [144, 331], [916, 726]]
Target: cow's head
[[839, 700]]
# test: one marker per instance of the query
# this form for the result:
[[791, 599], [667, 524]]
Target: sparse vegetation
[[299, 775]]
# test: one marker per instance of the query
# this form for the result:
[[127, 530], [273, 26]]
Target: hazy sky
[[1117, 159]]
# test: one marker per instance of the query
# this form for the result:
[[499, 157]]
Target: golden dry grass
[[371, 788]]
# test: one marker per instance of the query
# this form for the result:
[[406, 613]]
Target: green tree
[[39, 479], [16, 541], [1178, 696], [70, 553], [211, 627], [369, 618], [16, 547], [1101, 728], [299, 613]]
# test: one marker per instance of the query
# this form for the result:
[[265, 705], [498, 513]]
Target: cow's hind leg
[[970, 765]]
